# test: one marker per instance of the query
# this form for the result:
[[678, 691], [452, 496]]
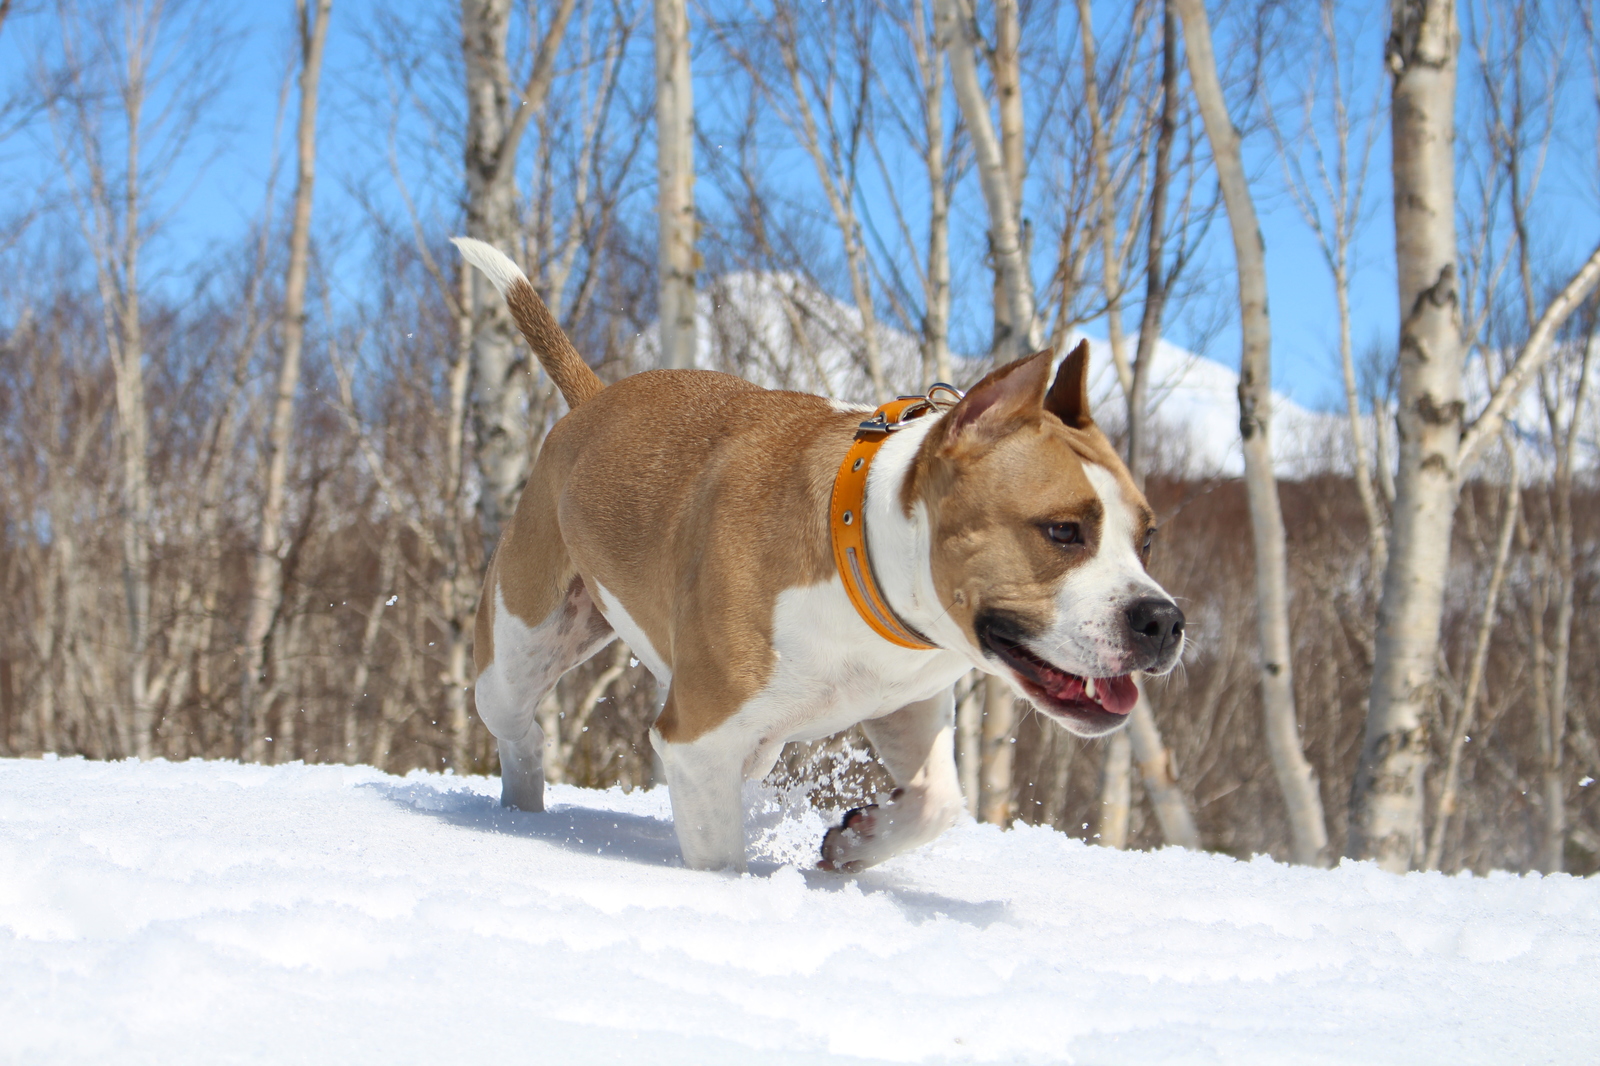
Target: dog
[[786, 569]]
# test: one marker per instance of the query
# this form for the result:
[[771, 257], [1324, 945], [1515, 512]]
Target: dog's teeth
[[1088, 687]]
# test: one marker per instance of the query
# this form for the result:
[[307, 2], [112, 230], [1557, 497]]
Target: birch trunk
[[1387, 793], [457, 591], [998, 753], [1344, 193], [1160, 778], [1116, 791], [266, 570], [969, 742], [502, 381], [1377, 528], [501, 378], [1111, 263], [388, 556], [675, 183], [1449, 790], [1157, 283], [936, 325], [116, 250], [1020, 333], [1553, 857], [1295, 776]]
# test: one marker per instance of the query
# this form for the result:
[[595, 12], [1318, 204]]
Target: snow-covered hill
[[217, 913], [778, 331]]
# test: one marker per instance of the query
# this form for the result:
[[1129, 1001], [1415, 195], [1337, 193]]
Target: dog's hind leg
[[527, 661], [916, 743]]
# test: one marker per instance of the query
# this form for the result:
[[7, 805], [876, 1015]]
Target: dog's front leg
[[705, 781], [916, 744]]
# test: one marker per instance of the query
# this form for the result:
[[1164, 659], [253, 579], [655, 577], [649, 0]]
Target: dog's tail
[[577, 382]]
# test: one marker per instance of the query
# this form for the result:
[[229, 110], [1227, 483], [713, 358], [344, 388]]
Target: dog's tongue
[[1116, 694]]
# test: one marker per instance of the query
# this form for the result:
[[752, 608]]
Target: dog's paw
[[844, 845]]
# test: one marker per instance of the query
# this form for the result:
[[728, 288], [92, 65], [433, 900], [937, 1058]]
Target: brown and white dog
[[688, 512]]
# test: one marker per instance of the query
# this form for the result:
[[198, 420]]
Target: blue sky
[[218, 185]]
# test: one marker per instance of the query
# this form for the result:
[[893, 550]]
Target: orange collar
[[848, 514]]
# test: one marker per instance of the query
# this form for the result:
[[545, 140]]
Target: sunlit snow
[[212, 912]]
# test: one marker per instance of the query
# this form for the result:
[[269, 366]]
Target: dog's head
[[1039, 545]]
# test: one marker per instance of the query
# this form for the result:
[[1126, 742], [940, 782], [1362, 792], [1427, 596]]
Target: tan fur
[[577, 382], [694, 503], [695, 498], [990, 552]]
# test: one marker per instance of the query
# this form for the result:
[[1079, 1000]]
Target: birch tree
[[113, 158], [495, 126], [1295, 776], [1458, 731], [936, 275], [675, 183], [1436, 443], [266, 569]]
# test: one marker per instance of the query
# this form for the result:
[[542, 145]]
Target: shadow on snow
[[650, 841]]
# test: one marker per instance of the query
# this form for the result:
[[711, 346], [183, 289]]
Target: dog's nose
[[1154, 625]]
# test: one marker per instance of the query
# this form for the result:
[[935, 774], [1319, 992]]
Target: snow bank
[[213, 913]]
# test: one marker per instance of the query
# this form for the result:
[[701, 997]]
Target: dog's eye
[[1144, 550], [1064, 532]]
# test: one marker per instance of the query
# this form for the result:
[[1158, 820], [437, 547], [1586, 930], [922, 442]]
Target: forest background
[[258, 426]]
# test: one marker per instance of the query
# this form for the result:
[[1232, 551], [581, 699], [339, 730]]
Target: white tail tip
[[495, 264]]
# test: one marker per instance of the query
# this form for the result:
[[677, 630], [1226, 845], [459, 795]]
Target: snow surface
[[214, 913]]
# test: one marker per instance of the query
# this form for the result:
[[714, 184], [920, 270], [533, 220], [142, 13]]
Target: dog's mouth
[[1088, 706]]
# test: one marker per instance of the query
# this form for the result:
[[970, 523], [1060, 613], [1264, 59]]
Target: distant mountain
[[781, 332]]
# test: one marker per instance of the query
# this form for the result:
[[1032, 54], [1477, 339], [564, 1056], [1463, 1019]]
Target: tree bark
[[458, 586], [1449, 790], [501, 378], [1387, 793], [675, 183], [266, 569], [969, 742], [1116, 791], [957, 38], [1099, 144], [1159, 777], [936, 364], [995, 804], [1157, 284], [1295, 776], [1562, 546]]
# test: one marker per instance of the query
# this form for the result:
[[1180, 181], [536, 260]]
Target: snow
[[213, 913], [780, 331]]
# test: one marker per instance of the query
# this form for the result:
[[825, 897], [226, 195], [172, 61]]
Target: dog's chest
[[833, 671]]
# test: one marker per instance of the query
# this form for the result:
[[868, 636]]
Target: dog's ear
[[1001, 402], [1068, 398]]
